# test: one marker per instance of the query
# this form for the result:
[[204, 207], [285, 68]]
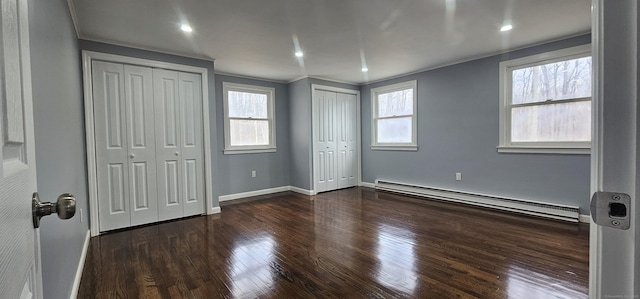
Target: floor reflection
[[397, 257], [250, 267], [526, 283]]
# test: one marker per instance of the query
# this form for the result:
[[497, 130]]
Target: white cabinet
[[148, 140], [334, 140]]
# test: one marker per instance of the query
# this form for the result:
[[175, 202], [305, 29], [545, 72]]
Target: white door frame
[[613, 272], [87, 58], [595, 263], [314, 122]]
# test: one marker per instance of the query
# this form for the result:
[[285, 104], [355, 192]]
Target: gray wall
[[150, 55], [59, 137], [272, 169], [300, 133], [300, 129], [458, 109]]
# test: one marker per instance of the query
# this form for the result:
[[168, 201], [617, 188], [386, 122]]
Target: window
[[546, 102], [249, 119], [394, 120]]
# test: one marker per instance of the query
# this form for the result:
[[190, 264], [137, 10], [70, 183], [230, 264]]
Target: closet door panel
[[347, 140], [190, 90], [116, 189], [193, 194], [111, 145], [318, 135], [342, 131], [140, 192], [141, 140], [352, 140], [325, 143], [170, 175], [167, 118]]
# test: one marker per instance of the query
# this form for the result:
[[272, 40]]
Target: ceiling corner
[[74, 17]]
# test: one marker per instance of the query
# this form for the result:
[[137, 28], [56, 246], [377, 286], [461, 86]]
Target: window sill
[[394, 148], [545, 150], [249, 151]]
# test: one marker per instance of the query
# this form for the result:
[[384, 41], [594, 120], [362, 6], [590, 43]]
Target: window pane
[[394, 130], [249, 132], [561, 80], [246, 104], [395, 103], [552, 123]]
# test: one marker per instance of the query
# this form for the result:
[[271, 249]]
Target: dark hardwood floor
[[353, 243]]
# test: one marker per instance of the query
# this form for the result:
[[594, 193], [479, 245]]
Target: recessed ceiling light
[[299, 54], [365, 69], [186, 28], [506, 28]]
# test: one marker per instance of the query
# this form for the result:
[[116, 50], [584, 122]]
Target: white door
[[111, 145], [20, 275], [347, 134], [615, 253], [334, 140], [167, 108], [191, 155], [125, 144], [325, 143], [138, 87], [179, 138]]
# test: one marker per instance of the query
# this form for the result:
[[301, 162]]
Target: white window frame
[[271, 117], [506, 68], [408, 146]]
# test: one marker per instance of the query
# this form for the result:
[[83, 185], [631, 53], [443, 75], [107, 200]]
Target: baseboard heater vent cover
[[540, 209]]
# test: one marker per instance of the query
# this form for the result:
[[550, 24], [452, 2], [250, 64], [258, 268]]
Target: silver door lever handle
[[65, 207]]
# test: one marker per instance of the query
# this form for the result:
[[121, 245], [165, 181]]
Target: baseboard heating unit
[[540, 209]]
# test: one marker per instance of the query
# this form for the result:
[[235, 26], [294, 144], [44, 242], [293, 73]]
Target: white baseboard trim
[[368, 185], [215, 210], [585, 218], [83, 257], [253, 193], [302, 191]]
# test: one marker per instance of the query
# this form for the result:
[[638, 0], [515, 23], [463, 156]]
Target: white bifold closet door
[[149, 141], [334, 134], [179, 143], [347, 134], [124, 137]]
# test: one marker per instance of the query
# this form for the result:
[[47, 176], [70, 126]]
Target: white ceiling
[[256, 38]]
